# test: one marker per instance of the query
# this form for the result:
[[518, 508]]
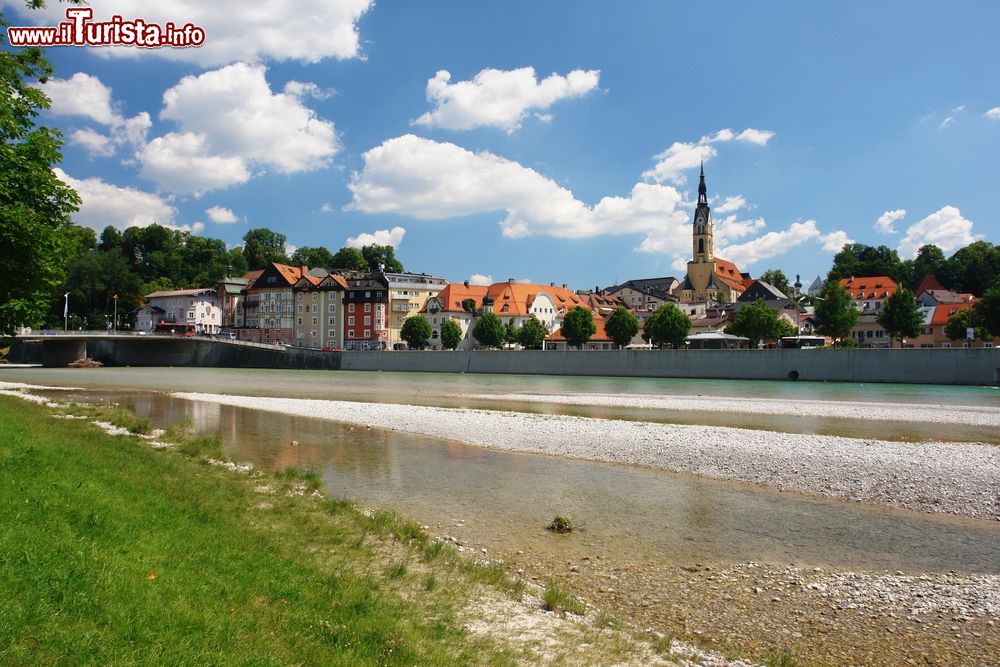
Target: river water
[[501, 501]]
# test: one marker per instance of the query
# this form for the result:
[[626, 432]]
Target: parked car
[[226, 335], [331, 348]]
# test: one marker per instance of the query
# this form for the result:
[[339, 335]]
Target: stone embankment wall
[[920, 366], [927, 366]]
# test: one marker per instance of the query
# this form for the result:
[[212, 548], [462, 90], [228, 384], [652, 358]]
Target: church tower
[[701, 233], [700, 283]]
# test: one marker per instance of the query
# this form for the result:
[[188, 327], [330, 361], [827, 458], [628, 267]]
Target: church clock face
[[700, 220]]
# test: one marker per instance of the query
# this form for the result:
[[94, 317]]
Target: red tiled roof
[[453, 294], [729, 274], [518, 297], [945, 310], [251, 276], [929, 282], [869, 287]]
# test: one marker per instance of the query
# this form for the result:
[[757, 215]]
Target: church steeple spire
[[702, 190]]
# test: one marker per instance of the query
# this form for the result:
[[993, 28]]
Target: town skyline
[[546, 145]]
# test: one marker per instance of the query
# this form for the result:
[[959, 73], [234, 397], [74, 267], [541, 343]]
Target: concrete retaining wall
[[920, 366], [955, 366]]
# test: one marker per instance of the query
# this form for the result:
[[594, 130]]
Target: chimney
[[466, 283], [564, 285], [510, 281], [552, 284]]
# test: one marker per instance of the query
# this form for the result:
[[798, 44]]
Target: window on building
[[368, 320], [299, 321], [315, 295], [368, 308], [332, 308], [350, 307], [313, 334], [300, 296], [315, 321], [350, 320], [367, 333], [300, 307], [368, 295], [332, 321], [331, 334]]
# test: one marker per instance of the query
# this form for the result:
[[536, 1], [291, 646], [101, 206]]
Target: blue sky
[[550, 141]]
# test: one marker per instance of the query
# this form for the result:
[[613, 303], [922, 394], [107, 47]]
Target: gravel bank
[[903, 412], [955, 478]]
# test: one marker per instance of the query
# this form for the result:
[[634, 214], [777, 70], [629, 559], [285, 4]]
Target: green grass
[[113, 414], [560, 524], [113, 553], [780, 659], [556, 599]]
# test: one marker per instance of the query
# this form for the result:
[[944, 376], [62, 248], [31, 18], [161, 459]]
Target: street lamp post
[[114, 323], [66, 312]]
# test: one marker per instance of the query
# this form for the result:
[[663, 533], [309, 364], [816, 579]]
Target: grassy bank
[[112, 552]]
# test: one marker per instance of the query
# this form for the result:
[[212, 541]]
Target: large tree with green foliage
[[532, 334], [987, 309], [381, 256], [972, 269], [757, 322], [622, 326], [349, 258], [929, 261], [578, 326], [312, 257], [37, 241], [262, 246], [510, 332], [667, 326], [958, 326], [94, 279], [451, 334], [900, 315], [489, 331], [858, 259], [777, 278], [416, 331], [835, 314]]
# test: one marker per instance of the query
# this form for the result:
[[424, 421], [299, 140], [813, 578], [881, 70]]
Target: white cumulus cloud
[[81, 95], [834, 242], [327, 207], [104, 204], [681, 156], [886, 223], [500, 98], [993, 113], [391, 237], [480, 279], [307, 30], [95, 142], [771, 244], [945, 228], [730, 205], [221, 215], [233, 127]]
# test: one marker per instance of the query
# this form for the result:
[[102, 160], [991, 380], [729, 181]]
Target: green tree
[[489, 331], [532, 334], [835, 314], [451, 334], [987, 309], [350, 259], [36, 235], [857, 259], [972, 269], [381, 256], [900, 315], [958, 324], [578, 326], [469, 306], [785, 328], [667, 326], [510, 332], [416, 331], [312, 257], [929, 261], [622, 326], [93, 280], [111, 239], [262, 246], [777, 278], [757, 322]]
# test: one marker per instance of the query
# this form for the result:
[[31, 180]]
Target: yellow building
[[708, 276]]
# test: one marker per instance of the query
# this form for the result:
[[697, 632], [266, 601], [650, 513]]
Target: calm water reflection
[[502, 500]]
